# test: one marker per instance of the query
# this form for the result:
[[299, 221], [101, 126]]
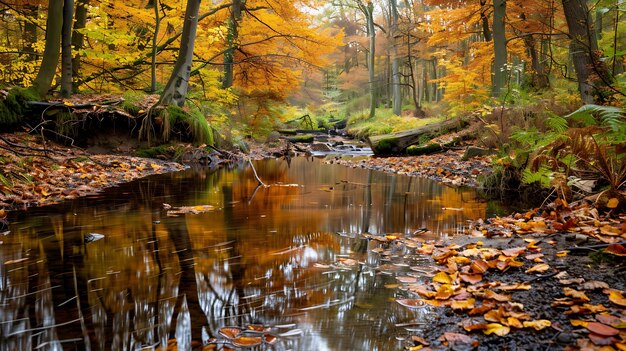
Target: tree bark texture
[[499, 46], [52, 49], [591, 74], [78, 38], [66, 48], [368, 11], [176, 88], [231, 41], [395, 65]]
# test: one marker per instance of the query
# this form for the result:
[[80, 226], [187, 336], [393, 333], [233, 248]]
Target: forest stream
[[185, 254]]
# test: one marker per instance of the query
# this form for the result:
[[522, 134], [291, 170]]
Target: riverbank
[[37, 172]]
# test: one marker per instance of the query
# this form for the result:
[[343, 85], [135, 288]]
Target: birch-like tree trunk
[[395, 65]]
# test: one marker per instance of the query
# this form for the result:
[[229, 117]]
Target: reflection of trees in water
[[131, 284]]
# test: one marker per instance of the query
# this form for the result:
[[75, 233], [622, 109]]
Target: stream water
[[115, 271]]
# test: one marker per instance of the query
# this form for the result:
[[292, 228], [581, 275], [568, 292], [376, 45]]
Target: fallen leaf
[[229, 332], [537, 324], [595, 284], [411, 303], [247, 341], [496, 328], [456, 338], [479, 266], [442, 278], [471, 278], [540, 268], [616, 249], [617, 298], [602, 340], [489, 294], [601, 329], [612, 203], [463, 304], [444, 292], [575, 294]]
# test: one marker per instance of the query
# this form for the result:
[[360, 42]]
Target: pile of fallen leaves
[[523, 280], [34, 172], [445, 167]]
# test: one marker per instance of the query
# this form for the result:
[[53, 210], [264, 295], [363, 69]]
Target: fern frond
[[542, 176], [610, 116], [557, 123]]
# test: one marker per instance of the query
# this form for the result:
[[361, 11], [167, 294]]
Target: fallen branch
[[256, 175]]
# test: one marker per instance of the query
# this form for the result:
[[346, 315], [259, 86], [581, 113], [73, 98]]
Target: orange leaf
[[601, 329], [489, 294], [479, 266], [471, 278], [540, 268], [612, 203], [616, 249]]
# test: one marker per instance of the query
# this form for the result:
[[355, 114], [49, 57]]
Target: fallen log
[[395, 143]]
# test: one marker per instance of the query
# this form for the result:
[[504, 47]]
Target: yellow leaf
[[496, 328], [612, 203], [538, 324], [562, 253], [617, 298], [578, 323], [442, 278], [463, 304], [444, 292]]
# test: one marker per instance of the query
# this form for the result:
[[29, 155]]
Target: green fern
[[543, 177], [610, 117]]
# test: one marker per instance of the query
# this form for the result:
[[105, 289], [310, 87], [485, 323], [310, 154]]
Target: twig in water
[[256, 175]]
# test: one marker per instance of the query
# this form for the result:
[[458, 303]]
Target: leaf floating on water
[[230, 332], [190, 209], [247, 341]]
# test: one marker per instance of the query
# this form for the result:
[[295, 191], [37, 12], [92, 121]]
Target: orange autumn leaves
[[462, 283]]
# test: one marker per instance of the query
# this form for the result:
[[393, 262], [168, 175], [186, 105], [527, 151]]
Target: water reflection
[[269, 256]]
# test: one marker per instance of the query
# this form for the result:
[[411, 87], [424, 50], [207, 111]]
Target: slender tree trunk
[[591, 74], [66, 48], [539, 76], [484, 18], [499, 46], [155, 36], [395, 66], [231, 41], [78, 38], [52, 49], [30, 31], [176, 88], [368, 11]]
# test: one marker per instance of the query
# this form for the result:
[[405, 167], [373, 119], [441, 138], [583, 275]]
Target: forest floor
[[544, 279]]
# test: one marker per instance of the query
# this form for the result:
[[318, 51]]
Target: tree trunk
[[591, 74], [155, 36], [395, 66], [368, 11], [66, 48], [30, 31], [499, 46], [52, 49], [78, 38], [176, 88], [231, 41], [539, 76], [484, 18]]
